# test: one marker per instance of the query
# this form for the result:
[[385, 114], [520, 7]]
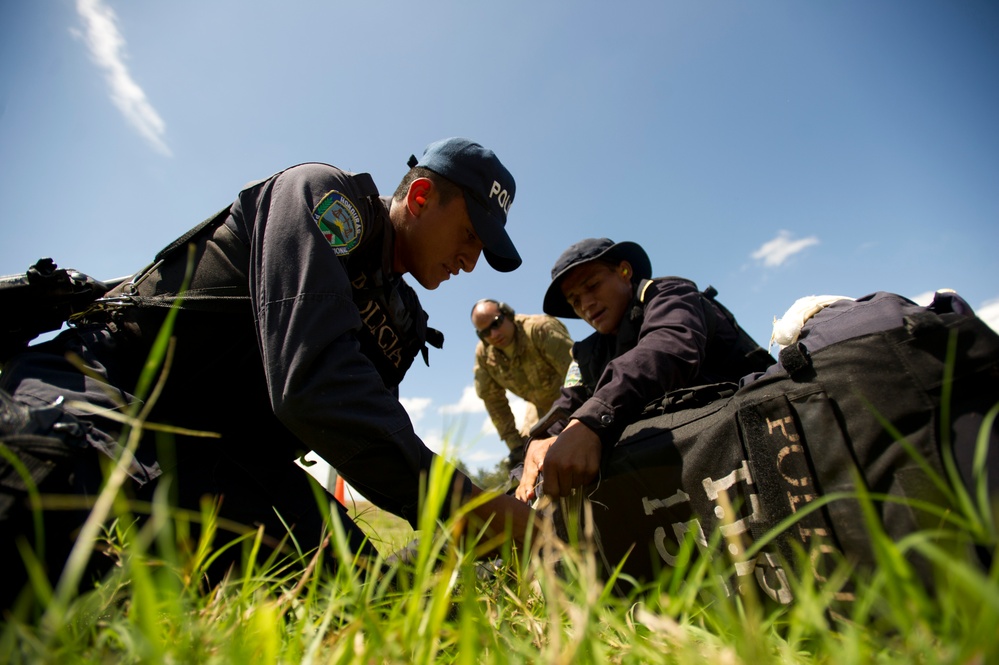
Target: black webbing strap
[[220, 298], [182, 241], [707, 297], [365, 184], [710, 315]]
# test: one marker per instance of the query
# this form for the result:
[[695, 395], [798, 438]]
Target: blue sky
[[774, 149]]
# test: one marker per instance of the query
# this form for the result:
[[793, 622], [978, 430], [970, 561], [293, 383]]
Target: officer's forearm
[[506, 518]]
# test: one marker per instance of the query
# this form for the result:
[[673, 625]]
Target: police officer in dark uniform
[[652, 336], [293, 334]]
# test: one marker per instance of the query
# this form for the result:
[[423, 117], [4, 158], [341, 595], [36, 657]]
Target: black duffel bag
[[877, 397]]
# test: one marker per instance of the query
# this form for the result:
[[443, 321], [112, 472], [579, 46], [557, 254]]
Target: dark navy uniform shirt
[[321, 387], [660, 346], [281, 369]]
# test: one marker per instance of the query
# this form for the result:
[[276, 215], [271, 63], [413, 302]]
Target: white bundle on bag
[[788, 327]]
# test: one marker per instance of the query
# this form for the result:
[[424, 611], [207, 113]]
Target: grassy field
[[386, 531], [549, 603]]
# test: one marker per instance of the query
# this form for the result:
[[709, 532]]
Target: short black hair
[[446, 189]]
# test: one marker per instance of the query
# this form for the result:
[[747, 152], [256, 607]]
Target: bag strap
[[365, 183], [756, 358], [747, 351], [182, 241]]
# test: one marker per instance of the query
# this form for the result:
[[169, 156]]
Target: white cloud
[[107, 49], [775, 252], [482, 450], [432, 439], [416, 407], [480, 458], [446, 435], [989, 312], [923, 299], [519, 408], [469, 403]]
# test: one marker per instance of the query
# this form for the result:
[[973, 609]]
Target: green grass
[[546, 603], [386, 531], [550, 605]]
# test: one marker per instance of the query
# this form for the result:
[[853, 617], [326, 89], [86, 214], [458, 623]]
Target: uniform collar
[[388, 239]]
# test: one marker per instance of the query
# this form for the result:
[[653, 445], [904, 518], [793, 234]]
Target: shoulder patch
[[573, 377], [339, 222]]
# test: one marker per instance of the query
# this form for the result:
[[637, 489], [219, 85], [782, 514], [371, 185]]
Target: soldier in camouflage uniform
[[525, 354]]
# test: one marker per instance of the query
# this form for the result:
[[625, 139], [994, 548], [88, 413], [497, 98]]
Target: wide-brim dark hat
[[585, 251]]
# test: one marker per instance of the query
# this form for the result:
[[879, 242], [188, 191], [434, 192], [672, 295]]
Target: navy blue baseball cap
[[488, 188], [585, 251]]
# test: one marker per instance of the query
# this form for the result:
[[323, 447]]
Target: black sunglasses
[[488, 330]]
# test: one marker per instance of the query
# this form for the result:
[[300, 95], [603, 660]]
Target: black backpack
[[863, 375], [745, 355]]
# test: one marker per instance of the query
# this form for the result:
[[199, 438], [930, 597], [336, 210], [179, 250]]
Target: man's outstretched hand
[[568, 461], [533, 462]]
